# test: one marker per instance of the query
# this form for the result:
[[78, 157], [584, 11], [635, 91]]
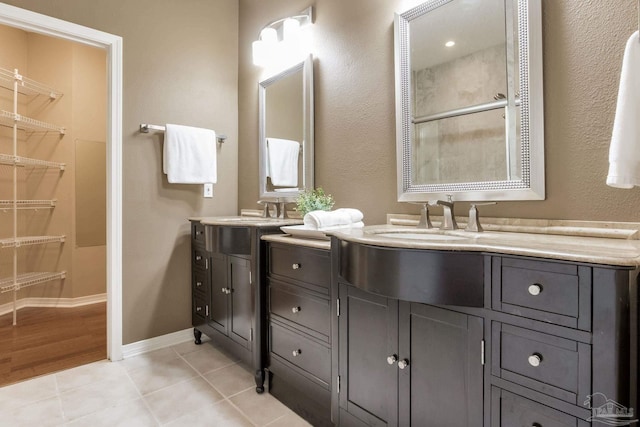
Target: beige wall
[[355, 117], [180, 66]]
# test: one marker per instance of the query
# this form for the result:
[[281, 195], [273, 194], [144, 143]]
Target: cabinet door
[[368, 327], [219, 313], [241, 301], [441, 383]]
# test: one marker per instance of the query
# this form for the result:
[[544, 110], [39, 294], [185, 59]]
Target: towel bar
[[145, 128]]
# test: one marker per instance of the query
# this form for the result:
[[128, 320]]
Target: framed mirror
[[286, 132], [469, 101]]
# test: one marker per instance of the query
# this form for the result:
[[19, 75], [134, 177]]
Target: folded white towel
[[624, 152], [189, 155], [358, 224], [322, 219], [282, 164]]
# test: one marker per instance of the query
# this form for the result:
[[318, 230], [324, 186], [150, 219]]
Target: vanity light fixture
[[280, 41], [450, 43]]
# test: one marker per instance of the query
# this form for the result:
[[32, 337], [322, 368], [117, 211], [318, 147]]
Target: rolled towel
[[321, 219], [358, 224]]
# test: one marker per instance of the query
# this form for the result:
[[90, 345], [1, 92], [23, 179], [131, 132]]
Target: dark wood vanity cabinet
[[299, 329], [403, 363], [554, 343], [227, 299]]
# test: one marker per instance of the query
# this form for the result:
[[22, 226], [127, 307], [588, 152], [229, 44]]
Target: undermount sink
[[421, 236]]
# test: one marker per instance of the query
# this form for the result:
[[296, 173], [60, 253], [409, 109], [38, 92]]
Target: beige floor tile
[[261, 409], [180, 399], [128, 414], [290, 420], [190, 346], [162, 374], [26, 392], [96, 396], [43, 413], [231, 380], [208, 359], [87, 374], [147, 359], [222, 414]]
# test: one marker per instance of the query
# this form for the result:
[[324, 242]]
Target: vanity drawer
[[511, 410], [197, 233], [199, 310], [556, 366], [200, 258], [300, 307], [199, 281], [547, 291], [304, 353], [311, 266]]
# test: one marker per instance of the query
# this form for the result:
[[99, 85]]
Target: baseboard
[[53, 302], [156, 343]]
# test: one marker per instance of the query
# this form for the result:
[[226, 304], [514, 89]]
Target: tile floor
[[183, 385]]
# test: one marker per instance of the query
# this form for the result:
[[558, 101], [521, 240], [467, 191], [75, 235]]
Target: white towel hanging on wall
[[624, 152], [282, 161], [189, 155]]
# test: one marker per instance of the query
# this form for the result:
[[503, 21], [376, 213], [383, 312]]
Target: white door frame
[[112, 44]]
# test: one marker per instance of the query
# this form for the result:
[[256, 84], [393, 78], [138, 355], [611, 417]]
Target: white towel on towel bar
[[189, 155], [282, 164], [624, 152]]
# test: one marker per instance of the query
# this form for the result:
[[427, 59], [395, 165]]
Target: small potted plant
[[314, 200]]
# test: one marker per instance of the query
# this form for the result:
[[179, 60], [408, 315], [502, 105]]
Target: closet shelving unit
[[20, 85]]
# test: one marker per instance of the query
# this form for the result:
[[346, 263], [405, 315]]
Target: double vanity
[[397, 325]]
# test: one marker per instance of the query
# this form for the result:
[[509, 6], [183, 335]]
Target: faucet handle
[[473, 223], [425, 221]]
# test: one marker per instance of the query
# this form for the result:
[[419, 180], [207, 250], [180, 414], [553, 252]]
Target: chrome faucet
[[268, 204], [448, 217]]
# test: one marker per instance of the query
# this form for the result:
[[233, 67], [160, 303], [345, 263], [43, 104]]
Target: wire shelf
[[25, 280], [8, 159], [30, 241], [25, 123], [5, 205], [26, 86]]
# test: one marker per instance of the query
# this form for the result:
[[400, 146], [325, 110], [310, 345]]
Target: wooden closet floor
[[47, 340]]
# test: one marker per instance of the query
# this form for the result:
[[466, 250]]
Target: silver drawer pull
[[535, 360], [198, 232], [198, 257], [296, 266], [403, 363], [198, 309], [297, 353], [198, 284], [535, 289], [226, 291], [392, 359], [296, 309]]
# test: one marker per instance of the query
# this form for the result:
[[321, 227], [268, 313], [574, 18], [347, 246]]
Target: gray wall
[[180, 66], [355, 117]]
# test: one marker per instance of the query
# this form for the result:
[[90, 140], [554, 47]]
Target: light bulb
[[258, 49], [291, 28], [269, 35]]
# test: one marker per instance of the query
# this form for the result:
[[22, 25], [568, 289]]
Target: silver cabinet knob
[[297, 353], [198, 284], [535, 360], [296, 309], [403, 363], [198, 257], [535, 289], [296, 266], [392, 359], [198, 309]]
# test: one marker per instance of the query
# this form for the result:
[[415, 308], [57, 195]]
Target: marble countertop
[[617, 251], [290, 240], [249, 218]]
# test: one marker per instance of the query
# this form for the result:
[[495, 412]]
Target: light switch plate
[[208, 190]]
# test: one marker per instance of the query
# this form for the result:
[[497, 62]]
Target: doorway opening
[[87, 145]]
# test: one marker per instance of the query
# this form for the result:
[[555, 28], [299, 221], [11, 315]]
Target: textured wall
[[355, 117], [180, 66]]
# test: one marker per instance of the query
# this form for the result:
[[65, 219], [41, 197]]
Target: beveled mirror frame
[[306, 67], [530, 186]]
